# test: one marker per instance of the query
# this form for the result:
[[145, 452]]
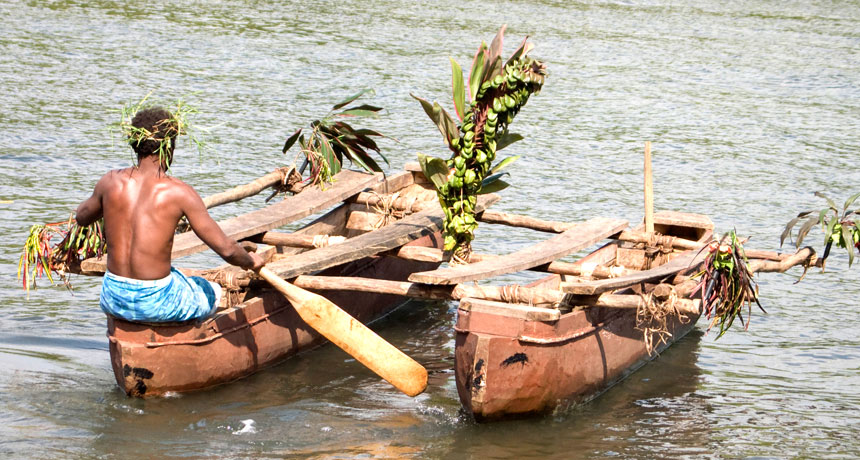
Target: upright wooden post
[[649, 191]]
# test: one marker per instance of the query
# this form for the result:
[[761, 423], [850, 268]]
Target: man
[[141, 206]]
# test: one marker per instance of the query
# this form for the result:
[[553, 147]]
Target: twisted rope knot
[[321, 241], [384, 206]]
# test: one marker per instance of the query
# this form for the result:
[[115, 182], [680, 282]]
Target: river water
[[750, 106]]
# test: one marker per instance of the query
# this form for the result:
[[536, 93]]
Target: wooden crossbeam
[[575, 239], [685, 261], [384, 239]]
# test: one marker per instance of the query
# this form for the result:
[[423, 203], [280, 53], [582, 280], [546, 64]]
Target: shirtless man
[[141, 207]]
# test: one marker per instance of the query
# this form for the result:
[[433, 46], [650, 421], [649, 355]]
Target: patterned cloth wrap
[[175, 297]]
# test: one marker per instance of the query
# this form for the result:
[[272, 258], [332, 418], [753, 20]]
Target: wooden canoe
[[518, 360], [263, 329]]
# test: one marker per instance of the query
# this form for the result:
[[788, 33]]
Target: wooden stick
[[252, 188], [509, 294], [649, 191], [515, 220], [425, 254], [770, 262], [805, 256], [296, 240]]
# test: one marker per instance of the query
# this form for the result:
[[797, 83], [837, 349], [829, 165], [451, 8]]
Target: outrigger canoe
[[514, 359], [259, 328]]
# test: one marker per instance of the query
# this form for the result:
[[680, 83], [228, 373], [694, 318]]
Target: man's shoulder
[[178, 188], [114, 176]]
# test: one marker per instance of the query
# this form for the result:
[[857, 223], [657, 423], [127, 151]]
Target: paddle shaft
[[353, 337]]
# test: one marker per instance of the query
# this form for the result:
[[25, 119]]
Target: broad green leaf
[[292, 140], [358, 157], [849, 202], [805, 229], [368, 107], [369, 132], [357, 113], [497, 44], [476, 76], [493, 177], [449, 127], [434, 169], [524, 49], [370, 161], [457, 89], [496, 186], [503, 164], [507, 139], [346, 101], [434, 111], [829, 201], [328, 155], [848, 238], [822, 216], [494, 69], [829, 230], [787, 232]]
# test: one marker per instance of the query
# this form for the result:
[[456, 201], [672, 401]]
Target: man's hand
[[258, 261]]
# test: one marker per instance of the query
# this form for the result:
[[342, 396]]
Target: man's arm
[[207, 229], [90, 210]]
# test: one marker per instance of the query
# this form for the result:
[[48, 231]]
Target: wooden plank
[[652, 239], [575, 239], [687, 260], [312, 200], [510, 294], [392, 236], [511, 310]]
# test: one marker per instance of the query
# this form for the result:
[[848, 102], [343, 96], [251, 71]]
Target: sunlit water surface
[[751, 107]]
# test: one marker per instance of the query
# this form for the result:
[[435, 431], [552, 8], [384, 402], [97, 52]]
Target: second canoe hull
[[510, 364], [547, 366]]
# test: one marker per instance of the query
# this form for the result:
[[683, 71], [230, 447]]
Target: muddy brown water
[[750, 106]]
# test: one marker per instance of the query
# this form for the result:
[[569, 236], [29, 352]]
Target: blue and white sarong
[[175, 297]]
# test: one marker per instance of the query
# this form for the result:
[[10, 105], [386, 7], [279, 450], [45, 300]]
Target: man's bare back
[[141, 207]]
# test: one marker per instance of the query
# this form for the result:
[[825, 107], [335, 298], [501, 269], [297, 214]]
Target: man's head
[[154, 133]]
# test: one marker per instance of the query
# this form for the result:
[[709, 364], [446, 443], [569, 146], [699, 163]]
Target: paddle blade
[[353, 337]]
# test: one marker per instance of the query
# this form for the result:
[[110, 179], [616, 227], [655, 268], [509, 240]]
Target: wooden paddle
[[353, 337]]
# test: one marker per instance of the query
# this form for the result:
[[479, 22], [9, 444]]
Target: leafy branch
[[331, 139], [39, 258], [726, 284], [497, 90], [837, 225]]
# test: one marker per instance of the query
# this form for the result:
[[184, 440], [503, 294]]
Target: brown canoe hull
[[545, 366], [153, 360], [510, 365]]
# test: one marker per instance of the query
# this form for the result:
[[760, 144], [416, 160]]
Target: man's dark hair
[[155, 131]]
